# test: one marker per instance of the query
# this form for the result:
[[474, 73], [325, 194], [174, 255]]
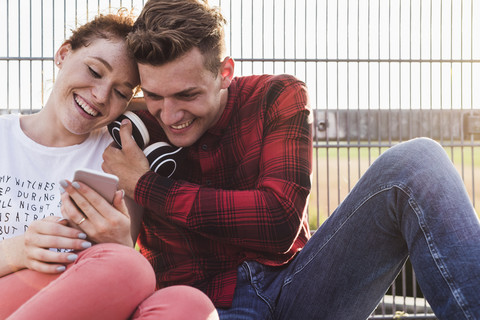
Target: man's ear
[[62, 53], [227, 71]]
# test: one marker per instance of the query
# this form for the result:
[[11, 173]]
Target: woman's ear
[[62, 53], [226, 71]]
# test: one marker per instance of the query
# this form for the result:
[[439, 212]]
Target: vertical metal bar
[[64, 19], [430, 65], [8, 55], [337, 98], [53, 52], [451, 79], [327, 150], [471, 101], [441, 69], [273, 37], [348, 95], [359, 173], [241, 36], [400, 63], [394, 289], [19, 53], [295, 36], [263, 33], [317, 91], [31, 55], [462, 149], [284, 33], [42, 53], [368, 79], [231, 27], [305, 33], [420, 64], [252, 33], [380, 75], [410, 71]]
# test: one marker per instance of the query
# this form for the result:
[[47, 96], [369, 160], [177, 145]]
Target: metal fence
[[378, 72]]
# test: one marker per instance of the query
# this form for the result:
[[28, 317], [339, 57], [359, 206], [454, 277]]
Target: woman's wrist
[[11, 255]]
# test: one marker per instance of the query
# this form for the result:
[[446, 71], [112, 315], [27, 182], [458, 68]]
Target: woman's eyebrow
[[110, 68], [104, 62]]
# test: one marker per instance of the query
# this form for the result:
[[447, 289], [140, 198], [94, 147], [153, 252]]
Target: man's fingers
[[126, 135]]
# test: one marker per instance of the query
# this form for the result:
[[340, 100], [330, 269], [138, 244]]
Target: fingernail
[[86, 244], [61, 219], [61, 190], [61, 268], [124, 122], [75, 185], [72, 257], [63, 183], [123, 193], [82, 236]]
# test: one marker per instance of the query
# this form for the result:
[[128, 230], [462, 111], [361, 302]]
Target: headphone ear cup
[[163, 158], [139, 130]]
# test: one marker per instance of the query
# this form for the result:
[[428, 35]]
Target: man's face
[[184, 97]]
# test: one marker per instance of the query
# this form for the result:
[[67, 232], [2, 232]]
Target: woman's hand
[[91, 213], [52, 232]]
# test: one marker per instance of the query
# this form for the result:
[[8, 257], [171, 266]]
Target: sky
[[365, 54]]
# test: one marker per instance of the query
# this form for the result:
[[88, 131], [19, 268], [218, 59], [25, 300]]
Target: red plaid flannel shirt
[[240, 193]]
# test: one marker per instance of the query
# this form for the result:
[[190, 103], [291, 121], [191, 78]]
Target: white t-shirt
[[30, 174]]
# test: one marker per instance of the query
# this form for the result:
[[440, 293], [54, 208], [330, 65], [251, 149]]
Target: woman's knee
[[177, 302], [120, 262]]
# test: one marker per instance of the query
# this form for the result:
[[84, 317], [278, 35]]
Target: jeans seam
[[442, 268], [250, 273], [288, 279]]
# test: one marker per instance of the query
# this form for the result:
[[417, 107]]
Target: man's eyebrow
[[188, 90], [148, 92], [110, 68]]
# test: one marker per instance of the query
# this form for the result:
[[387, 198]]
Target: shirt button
[[204, 147]]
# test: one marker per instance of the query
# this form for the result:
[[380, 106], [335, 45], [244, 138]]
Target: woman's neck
[[46, 129]]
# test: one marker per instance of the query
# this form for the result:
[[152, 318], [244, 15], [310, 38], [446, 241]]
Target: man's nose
[[171, 112]]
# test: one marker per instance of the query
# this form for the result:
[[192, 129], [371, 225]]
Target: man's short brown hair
[[167, 29]]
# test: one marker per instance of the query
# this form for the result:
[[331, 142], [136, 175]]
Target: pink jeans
[[107, 281]]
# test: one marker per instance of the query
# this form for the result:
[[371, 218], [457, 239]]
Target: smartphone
[[103, 183]]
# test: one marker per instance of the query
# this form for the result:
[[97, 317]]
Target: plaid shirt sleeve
[[263, 176]]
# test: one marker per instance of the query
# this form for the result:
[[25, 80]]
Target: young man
[[232, 220]]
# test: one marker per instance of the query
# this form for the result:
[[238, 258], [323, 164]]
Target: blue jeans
[[410, 202]]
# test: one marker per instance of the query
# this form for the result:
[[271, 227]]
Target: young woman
[[52, 267]]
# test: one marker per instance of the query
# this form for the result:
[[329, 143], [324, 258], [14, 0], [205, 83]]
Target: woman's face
[[94, 84]]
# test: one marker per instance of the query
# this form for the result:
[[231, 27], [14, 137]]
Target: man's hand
[[129, 164]]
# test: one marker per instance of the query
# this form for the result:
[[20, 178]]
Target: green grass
[[336, 170]]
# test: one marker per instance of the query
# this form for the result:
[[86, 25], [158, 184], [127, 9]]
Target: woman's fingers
[[90, 204], [53, 226], [94, 215], [55, 242], [49, 261], [44, 240]]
